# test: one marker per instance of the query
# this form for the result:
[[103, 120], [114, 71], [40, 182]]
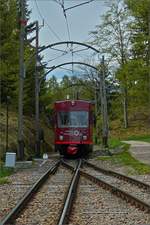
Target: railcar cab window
[[73, 119]]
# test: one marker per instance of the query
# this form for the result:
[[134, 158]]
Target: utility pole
[[103, 105], [149, 51], [21, 82], [37, 142], [29, 29], [96, 114], [97, 100], [7, 120]]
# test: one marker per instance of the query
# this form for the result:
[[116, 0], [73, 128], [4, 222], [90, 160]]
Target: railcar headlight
[[61, 138], [84, 137]]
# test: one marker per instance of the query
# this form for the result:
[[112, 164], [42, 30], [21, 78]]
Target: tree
[[9, 57], [9, 47], [140, 10], [112, 37]]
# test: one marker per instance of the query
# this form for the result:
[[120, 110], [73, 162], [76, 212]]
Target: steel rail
[[114, 190], [118, 175], [12, 215], [70, 194], [67, 165]]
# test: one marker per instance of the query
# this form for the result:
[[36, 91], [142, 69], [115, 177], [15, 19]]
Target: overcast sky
[[81, 20]]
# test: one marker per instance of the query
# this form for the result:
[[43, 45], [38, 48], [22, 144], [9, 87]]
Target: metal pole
[[21, 82], [96, 114], [149, 51], [7, 122], [37, 141], [104, 105], [102, 102]]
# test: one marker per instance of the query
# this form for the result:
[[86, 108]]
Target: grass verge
[[126, 159], [145, 138], [4, 173], [4, 180], [114, 143]]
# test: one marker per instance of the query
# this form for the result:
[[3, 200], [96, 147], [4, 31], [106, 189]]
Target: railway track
[[19, 183], [48, 200], [139, 190], [126, 209], [33, 200], [81, 193]]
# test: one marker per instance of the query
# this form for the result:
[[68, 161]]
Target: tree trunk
[[125, 108]]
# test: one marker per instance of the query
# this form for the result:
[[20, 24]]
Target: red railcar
[[73, 127]]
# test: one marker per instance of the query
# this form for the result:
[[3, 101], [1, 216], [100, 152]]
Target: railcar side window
[[73, 119]]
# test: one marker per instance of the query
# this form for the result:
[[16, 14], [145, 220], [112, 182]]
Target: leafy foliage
[[123, 35], [9, 48], [9, 58]]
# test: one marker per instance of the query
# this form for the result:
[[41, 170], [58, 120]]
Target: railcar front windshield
[[73, 119]]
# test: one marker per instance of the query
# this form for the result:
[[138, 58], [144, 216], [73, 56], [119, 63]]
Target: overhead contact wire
[[79, 5], [65, 15], [42, 17]]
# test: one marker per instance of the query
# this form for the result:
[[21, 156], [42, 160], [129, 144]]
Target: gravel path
[[96, 206]]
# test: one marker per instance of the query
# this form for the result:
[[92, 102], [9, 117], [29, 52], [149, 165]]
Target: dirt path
[[140, 150]]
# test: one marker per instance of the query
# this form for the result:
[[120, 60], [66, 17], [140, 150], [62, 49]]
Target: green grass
[[4, 173], [4, 180], [114, 143], [145, 138], [126, 159]]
